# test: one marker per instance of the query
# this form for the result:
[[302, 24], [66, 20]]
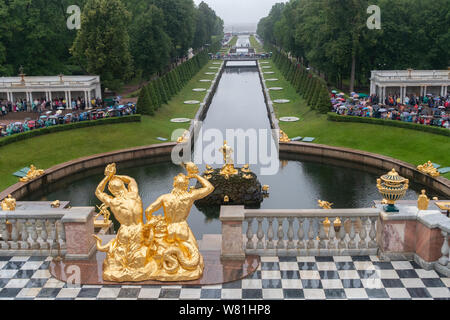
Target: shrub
[[393, 123]]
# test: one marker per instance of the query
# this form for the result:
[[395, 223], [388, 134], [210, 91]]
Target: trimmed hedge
[[392, 123], [65, 127]]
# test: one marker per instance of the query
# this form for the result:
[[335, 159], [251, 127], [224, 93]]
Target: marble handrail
[[311, 213]]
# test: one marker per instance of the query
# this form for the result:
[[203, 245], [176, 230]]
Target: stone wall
[[367, 159]]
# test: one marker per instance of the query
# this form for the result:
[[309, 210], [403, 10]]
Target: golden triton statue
[[8, 204], [208, 170], [55, 204], [184, 137], [106, 215], [32, 174], [423, 201], [324, 204], [228, 169], [127, 257], [171, 240], [429, 169]]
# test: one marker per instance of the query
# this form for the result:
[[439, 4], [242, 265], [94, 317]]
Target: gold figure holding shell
[[429, 169]]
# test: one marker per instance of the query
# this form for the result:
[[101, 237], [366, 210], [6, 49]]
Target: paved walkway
[[360, 277]]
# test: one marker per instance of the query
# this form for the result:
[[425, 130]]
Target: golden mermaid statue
[[127, 256], [170, 239]]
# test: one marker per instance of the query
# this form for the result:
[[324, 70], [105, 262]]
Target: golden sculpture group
[[8, 204], [284, 137], [32, 174], [164, 248], [429, 169]]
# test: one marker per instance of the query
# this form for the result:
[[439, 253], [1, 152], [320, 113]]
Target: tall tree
[[103, 41], [150, 44]]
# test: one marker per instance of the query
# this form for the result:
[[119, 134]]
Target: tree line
[[162, 89], [118, 39], [311, 87], [333, 37]]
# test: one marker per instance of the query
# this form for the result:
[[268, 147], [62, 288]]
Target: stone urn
[[392, 187]]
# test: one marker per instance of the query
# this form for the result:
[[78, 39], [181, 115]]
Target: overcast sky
[[241, 11]]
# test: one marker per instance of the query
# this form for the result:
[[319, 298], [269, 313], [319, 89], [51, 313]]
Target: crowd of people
[[427, 110], [41, 105]]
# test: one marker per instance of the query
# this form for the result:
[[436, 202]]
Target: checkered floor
[[361, 277]]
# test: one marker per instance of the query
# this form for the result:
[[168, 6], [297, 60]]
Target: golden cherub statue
[[32, 174], [8, 204], [423, 201], [284, 137], [55, 204], [429, 169], [228, 169]]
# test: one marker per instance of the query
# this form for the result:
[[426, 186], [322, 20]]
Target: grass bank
[[49, 150], [412, 146]]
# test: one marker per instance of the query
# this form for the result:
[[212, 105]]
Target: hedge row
[[64, 127], [393, 123], [161, 90], [311, 87]]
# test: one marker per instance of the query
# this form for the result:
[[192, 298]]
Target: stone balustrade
[[443, 264], [48, 232], [298, 232]]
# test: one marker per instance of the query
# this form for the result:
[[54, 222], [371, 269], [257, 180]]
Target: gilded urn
[[392, 187]]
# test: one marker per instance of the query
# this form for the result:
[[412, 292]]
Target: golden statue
[[324, 204], [226, 199], [208, 170], [8, 204], [247, 176], [423, 201], [228, 168], [265, 188], [246, 169], [284, 137], [184, 137], [429, 169], [55, 204], [171, 241], [32, 174], [106, 215], [127, 256]]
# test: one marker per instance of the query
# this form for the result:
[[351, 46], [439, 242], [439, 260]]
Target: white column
[[89, 99], [442, 90], [12, 96], [425, 90], [70, 99], [445, 90], [85, 98], [67, 101]]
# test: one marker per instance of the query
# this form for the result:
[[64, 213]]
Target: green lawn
[[256, 45], [49, 150], [411, 146]]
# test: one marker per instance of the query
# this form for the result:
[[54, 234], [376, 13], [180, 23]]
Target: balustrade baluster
[[5, 234], [33, 234], [249, 233], [373, 232], [321, 234], [342, 235], [24, 236], [444, 250], [44, 235], [52, 238], [311, 244], [13, 243], [280, 233], [62, 235], [270, 234], [363, 234], [352, 234], [300, 234], [260, 234], [290, 234], [332, 235]]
